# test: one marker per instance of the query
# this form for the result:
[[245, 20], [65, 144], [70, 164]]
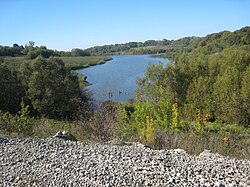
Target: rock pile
[[56, 162]]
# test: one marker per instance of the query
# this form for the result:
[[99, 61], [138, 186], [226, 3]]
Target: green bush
[[7, 123], [20, 124], [24, 124], [100, 125]]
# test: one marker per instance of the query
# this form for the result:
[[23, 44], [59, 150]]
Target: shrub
[[24, 124], [101, 124], [20, 123], [7, 123]]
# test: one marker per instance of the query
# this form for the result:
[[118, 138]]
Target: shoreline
[[85, 82], [89, 65]]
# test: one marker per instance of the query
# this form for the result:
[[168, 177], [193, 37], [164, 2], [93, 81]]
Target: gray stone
[[65, 135], [52, 162], [3, 140]]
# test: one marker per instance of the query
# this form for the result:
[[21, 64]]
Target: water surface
[[116, 79]]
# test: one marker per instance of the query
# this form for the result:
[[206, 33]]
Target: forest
[[200, 100]]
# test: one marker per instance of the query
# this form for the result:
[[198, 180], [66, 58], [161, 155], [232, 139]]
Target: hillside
[[214, 43]]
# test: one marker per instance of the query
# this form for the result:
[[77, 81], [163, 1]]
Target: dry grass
[[233, 145], [228, 140]]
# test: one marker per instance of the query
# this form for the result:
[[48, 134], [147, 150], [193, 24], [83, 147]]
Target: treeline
[[208, 83], [215, 42], [127, 47], [32, 51], [212, 43], [147, 47]]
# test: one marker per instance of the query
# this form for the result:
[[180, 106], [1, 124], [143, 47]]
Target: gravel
[[56, 162]]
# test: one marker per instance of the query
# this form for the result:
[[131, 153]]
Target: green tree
[[33, 53], [227, 95], [199, 97], [11, 90], [79, 52], [52, 89], [24, 124], [156, 76], [245, 93]]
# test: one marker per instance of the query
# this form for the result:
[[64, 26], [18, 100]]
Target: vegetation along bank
[[201, 100]]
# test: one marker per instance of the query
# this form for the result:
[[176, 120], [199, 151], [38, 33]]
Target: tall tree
[[199, 98], [11, 90], [53, 90], [227, 95], [245, 92]]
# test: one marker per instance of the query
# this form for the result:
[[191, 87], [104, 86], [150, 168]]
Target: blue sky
[[67, 24]]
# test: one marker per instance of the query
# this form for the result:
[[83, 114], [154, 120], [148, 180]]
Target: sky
[[67, 24]]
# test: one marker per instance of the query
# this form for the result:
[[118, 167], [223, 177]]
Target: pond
[[116, 79]]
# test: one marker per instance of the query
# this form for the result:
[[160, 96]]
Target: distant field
[[83, 62], [71, 62], [14, 62]]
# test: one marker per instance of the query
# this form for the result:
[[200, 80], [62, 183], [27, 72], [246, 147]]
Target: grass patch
[[49, 127], [229, 140], [70, 62], [15, 62], [84, 62], [228, 144]]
